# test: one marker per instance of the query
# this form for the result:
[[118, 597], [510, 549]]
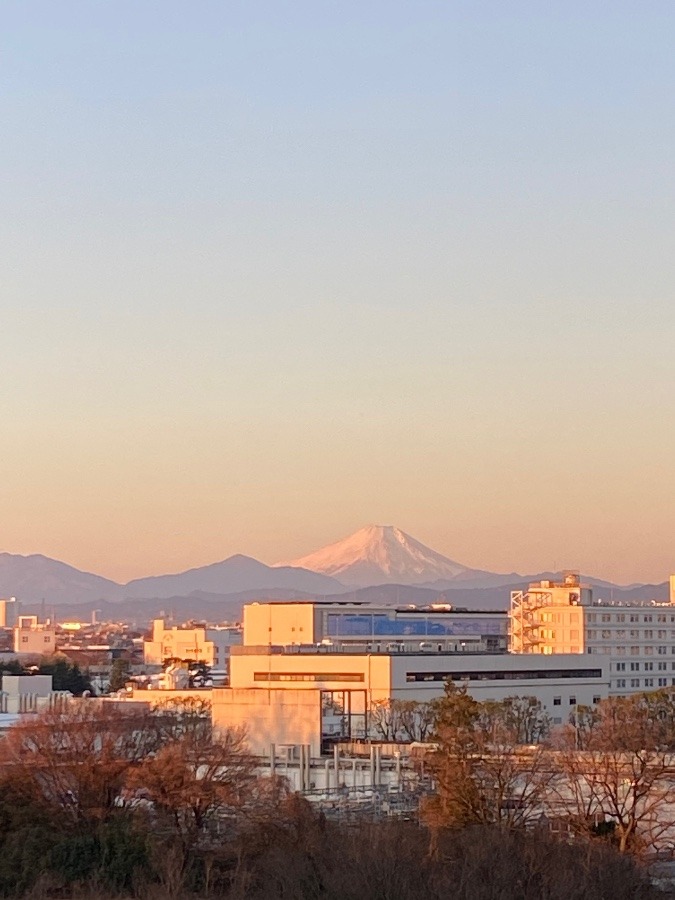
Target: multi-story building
[[201, 643], [364, 627], [309, 672], [637, 638]]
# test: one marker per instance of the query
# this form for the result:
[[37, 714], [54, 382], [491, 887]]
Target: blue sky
[[274, 270]]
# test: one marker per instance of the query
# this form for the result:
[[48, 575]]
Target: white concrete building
[[201, 643], [32, 637], [288, 692], [636, 639]]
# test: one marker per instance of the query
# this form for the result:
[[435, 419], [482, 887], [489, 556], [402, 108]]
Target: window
[[556, 701], [660, 618], [661, 635], [634, 651], [663, 682], [621, 633], [621, 682], [662, 666], [620, 651], [573, 701], [591, 634], [635, 682], [592, 618], [649, 667], [605, 618], [492, 675], [24, 639], [649, 682], [308, 676], [635, 667], [574, 634], [649, 634], [557, 720], [621, 667], [606, 634], [647, 619], [634, 618], [621, 618], [47, 639], [596, 699], [649, 651], [662, 650], [634, 633]]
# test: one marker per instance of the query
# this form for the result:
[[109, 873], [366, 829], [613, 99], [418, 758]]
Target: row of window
[[648, 666], [633, 650], [308, 676], [500, 675], [645, 682], [660, 618], [645, 635]]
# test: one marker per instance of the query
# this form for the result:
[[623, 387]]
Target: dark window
[[500, 675], [308, 676], [556, 701]]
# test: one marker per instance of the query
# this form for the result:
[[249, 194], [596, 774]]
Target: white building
[[636, 639], [289, 692], [200, 643], [32, 637]]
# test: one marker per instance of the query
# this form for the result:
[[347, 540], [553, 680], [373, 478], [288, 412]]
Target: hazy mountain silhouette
[[238, 573], [35, 578]]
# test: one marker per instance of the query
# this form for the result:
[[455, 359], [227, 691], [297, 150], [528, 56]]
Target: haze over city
[[273, 271]]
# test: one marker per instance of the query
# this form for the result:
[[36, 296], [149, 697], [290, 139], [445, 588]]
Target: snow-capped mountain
[[383, 554]]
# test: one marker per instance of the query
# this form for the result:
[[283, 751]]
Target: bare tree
[[482, 775], [79, 758], [625, 773]]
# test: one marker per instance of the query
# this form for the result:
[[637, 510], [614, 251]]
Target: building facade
[[364, 627], [308, 673], [637, 639], [201, 643], [32, 637]]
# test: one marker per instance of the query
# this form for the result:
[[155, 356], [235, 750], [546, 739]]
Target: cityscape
[[337, 484]]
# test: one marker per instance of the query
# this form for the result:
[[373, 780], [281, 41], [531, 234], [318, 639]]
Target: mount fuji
[[383, 554]]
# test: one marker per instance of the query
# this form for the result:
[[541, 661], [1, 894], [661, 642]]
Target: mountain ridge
[[382, 554]]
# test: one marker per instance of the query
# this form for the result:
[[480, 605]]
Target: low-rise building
[[209, 644], [30, 636]]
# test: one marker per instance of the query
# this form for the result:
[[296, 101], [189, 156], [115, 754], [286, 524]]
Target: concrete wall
[[38, 641], [555, 693], [278, 623], [280, 717], [309, 671]]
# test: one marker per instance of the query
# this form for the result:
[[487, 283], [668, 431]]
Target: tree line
[[104, 800]]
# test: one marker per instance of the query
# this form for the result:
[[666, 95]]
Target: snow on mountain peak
[[379, 554]]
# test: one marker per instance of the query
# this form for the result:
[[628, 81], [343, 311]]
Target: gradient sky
[[274, 270]]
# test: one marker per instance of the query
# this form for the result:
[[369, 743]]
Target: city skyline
[[275, 271]]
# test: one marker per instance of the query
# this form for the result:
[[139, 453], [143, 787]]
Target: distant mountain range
[[377, 564], [34, 579]]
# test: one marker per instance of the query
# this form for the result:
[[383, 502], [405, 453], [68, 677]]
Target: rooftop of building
[[366, 606], [366, 649]]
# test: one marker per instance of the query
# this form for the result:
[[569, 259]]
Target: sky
[[271, 271]]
